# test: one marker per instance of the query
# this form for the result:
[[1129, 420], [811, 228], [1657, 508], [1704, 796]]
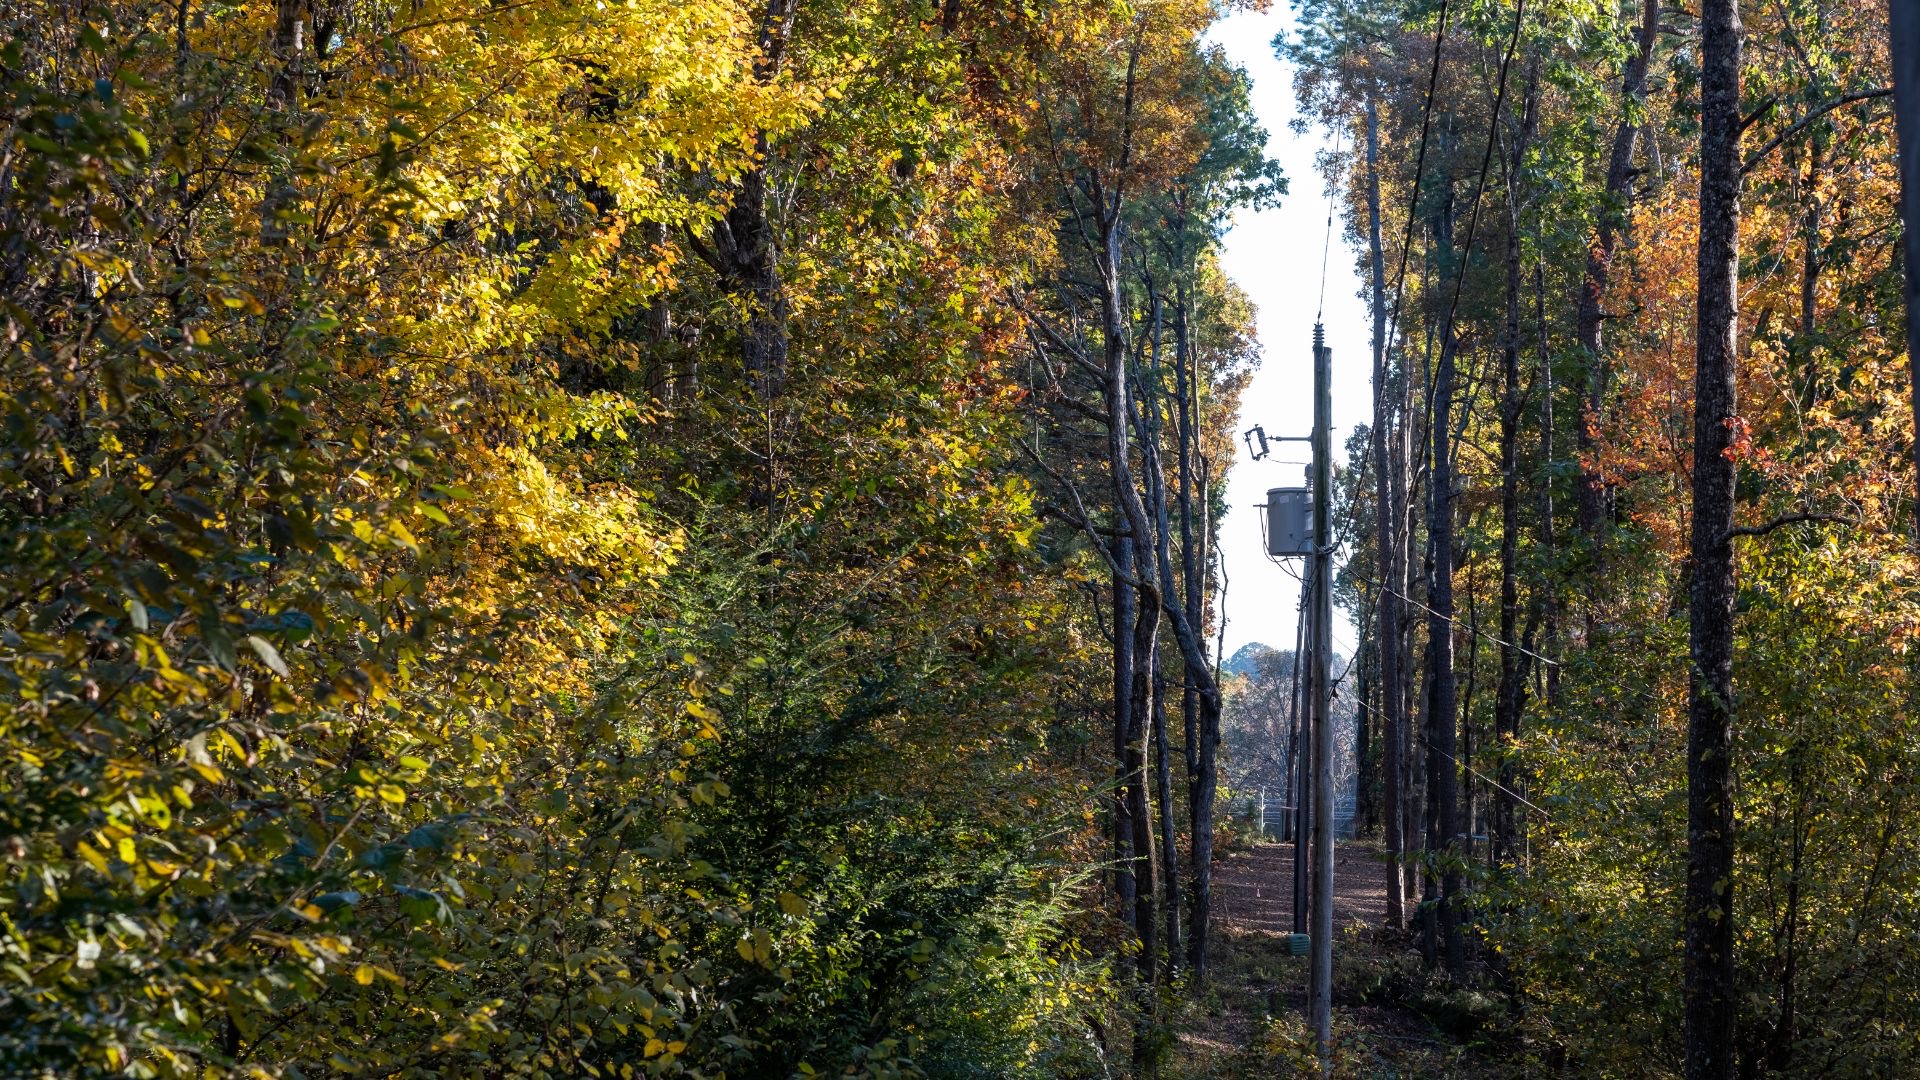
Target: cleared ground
[[1250, 1021]]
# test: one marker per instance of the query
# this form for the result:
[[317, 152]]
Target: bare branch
[[1084, 520], [1773, 144], [1789, 519]]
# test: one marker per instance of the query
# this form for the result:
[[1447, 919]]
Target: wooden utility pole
[[1320, 983], [1301, 757]]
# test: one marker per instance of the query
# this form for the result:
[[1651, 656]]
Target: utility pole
[[1320, 963], [1289, 534], [1302, 759]]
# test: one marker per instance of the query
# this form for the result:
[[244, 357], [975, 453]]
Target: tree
[[1709, 922], [1616, 201], [1903, 23]]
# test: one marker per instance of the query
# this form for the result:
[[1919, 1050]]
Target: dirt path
[[1254, 977], [1253, 889], [1249, 1022]]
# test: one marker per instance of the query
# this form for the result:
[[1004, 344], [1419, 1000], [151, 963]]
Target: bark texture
[[1709, 990], [1387, 466]]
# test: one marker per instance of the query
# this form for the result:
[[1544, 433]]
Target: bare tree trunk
[[286, 43], [1366, 808], [1202, 743], [1510, 696], [1387, 469], [1141, 527], [1549, 594], [1809, 274], [1200, 692], [1709, 990], [1590, 495], [1150, 429], [1429, 881], [1903, 24], [1442, 759], [1169, 849], [1405, 494], [1125, 614]]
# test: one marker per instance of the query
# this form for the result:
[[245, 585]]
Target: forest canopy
[[529, 541]]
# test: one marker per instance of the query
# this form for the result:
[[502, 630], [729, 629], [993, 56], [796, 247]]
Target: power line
[[1326, 245], [1521, 649], [1497, 785], [1419, 164], [1480, 188]]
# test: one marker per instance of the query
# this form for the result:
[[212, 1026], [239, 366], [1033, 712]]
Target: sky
[[1275, 255]]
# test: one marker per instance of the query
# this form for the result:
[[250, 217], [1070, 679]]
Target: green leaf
[[269, 655]]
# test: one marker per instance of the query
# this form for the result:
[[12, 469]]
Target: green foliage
[[423, 653]]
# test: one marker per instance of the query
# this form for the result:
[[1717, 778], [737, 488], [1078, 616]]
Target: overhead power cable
[[1495, 784], [1419, 162], [1326, 245], [1486, 162]]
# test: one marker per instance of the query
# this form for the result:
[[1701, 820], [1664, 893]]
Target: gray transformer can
[[1289, 522]]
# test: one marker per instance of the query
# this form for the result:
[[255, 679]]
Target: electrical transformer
[[1289, 522]]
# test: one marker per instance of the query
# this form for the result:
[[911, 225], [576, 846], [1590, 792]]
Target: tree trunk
[[1510, 696], [1150, 429], [1548, 596], [1590, 496], [1386, 468], [1147, 606], [1366, 809], [744, 240], [1903, 24], [1200, 696], [1804, 344], [1169, 849], [1125, 614], [286, 42], [1145, 561], [1709, 990], [747, 250], [1429, 881], [1200, 744], [1442, 759]]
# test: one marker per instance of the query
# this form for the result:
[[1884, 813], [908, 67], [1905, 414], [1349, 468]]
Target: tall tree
[[1443, 767], [1710, 988], [1510, 694], [746, 245], [1614, 207], [1390, 552], [1903, 25]]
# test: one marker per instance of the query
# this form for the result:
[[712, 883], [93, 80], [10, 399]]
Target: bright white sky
[[1275, 255]]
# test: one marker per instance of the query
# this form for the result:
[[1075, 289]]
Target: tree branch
[[1788, 519], [1085, 520], [1774, 143]]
